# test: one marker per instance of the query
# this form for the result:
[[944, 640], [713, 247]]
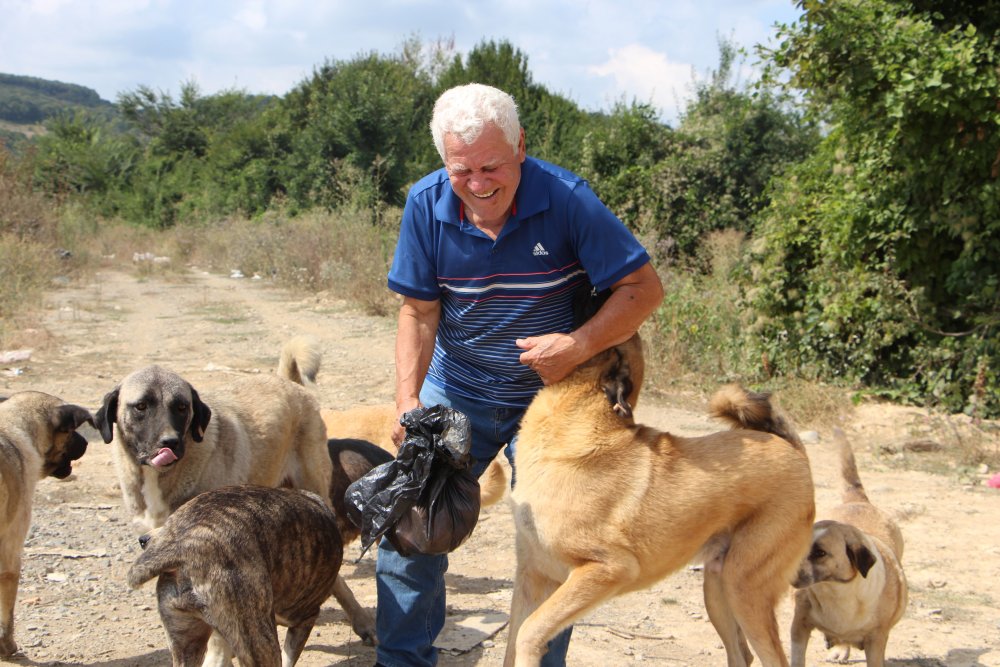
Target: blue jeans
[[411, 592]]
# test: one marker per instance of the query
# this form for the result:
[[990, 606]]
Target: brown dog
[[38, 438], [852, 586], [603, 506], [237, 561], [374, 423], [352, 459], [171, 443]]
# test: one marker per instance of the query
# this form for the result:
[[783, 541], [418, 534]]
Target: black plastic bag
[[426, 500]]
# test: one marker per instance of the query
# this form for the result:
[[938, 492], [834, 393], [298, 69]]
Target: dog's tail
[[300, 359], [751, 410], [155, 559], [853, 489]]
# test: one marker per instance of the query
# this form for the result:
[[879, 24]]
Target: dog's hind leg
[[361, 621], [721, 615], [253, 637], [295, 640], [217, 652], [586, 587], [187, 636], [752, 582]]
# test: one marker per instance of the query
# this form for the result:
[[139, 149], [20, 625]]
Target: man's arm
[[415, 334], [632, 300]]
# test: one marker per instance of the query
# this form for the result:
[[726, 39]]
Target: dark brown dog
[[38, 438], [352, 459], [852, 586], [374, 423], [239, 560], [604, 506]]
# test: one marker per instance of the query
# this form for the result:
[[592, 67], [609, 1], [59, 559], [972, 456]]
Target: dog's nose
[[143, 541]]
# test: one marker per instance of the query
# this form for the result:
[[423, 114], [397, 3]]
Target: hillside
[[27, 101]]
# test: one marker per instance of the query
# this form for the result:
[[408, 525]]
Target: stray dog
[[851, 586], [170, 443], [374, 423], [38, 438], [238, 560], [604, 506], [352, 459]]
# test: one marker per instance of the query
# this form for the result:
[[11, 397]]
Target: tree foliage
[[877, 259]]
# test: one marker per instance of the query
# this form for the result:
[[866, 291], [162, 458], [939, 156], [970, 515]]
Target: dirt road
[[74, 607]]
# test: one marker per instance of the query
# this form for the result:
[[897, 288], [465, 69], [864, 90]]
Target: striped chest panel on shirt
[[493, 293]]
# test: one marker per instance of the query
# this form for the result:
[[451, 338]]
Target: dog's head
[[838, 554], [154, 411], [620, 372], [52, 424]]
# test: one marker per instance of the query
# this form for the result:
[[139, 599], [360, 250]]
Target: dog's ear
[[616, 381], [107, 415], [71, 417], [200, 417], [860, 557]]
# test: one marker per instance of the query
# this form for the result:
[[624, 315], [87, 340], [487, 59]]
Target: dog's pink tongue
[[164, 457]]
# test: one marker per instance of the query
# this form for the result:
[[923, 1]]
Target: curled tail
[[155, 559], [300, 359], [853, 490], [751, 410]]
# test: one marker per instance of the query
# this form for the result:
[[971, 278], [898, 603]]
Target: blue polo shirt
[[522, 284]]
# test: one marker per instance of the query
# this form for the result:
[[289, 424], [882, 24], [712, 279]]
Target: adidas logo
[[539, 250]]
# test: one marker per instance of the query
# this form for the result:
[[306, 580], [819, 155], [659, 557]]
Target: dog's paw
[[364, 626], [8, 647], [840, 653]]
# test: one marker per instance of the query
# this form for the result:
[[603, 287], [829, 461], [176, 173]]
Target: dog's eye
[[817, 553], [140, 406], [181, 407]]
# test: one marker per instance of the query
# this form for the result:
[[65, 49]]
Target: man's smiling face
[[485, 175]]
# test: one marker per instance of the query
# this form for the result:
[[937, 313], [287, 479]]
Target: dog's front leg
[[586, 587], [530, 590], [9, 577], [874, 646], [361, 621]]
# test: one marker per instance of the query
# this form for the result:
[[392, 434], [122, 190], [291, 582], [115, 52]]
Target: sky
[[594, 52]]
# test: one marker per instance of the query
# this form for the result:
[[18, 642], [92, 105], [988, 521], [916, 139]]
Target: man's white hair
[[465, 110]]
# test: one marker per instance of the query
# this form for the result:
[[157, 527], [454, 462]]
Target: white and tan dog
[[852, 586], [603, 506], [38, 438]]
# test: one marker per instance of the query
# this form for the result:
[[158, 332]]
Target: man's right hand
[[398, 432]]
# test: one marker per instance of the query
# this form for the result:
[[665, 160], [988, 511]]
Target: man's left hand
[[552, 356]]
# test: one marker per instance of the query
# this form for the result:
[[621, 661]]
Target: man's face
[[484, 175]]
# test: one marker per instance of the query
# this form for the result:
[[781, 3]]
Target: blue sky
[[595, 52]]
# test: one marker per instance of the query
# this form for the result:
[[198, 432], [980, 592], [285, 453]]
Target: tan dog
[[170, 443], [374, 423], [236, 561], [852, 586], [38, 438], [603, 506]]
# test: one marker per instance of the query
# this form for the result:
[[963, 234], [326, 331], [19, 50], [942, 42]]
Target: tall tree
[[879, 255]]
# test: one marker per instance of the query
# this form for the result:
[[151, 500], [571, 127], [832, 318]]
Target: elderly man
[[492, 249]]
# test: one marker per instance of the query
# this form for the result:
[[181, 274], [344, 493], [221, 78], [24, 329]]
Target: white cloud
[[645, 75]]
